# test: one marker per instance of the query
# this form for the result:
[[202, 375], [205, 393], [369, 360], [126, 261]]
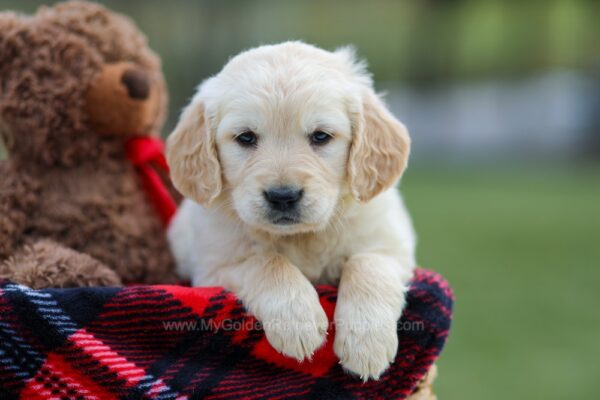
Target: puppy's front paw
[[365, 346], [295, 324]]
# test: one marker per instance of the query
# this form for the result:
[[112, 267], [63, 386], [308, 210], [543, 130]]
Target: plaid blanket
[[175, 342]]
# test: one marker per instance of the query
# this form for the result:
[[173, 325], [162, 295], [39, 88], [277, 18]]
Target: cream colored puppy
[[293, 158]]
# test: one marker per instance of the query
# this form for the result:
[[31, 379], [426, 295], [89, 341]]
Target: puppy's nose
[[283, 198], [137, 83]]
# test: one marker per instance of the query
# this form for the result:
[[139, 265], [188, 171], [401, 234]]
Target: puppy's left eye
[[319, 138]]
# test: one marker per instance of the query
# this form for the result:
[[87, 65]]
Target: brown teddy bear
[[77, 82]]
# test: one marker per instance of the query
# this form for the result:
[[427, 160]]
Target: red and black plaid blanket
[[175, 342]]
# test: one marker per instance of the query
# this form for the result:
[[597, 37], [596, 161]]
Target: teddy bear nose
[[137, 83]]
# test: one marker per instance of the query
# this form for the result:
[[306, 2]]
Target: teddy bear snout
[[122, 99], [137, 83]]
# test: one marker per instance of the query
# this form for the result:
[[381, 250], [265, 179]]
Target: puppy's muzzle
[[283, 203]]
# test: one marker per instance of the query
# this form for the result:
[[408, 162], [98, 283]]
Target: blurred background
[[502, 99]]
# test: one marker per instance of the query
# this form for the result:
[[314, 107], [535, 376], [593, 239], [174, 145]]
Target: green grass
[[521, 250]]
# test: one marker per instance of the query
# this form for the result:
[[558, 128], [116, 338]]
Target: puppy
[[291, 159]]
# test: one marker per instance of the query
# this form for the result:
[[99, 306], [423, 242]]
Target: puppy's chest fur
[[319, 257]]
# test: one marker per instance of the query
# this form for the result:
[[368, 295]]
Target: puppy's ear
[[379, 150], [192, 157]]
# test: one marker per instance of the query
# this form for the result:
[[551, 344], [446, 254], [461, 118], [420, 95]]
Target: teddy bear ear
[[9, 20]]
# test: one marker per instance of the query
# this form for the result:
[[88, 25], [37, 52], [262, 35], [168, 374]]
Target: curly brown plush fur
[[76, 81]]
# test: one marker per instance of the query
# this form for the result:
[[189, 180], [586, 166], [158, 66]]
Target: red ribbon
[[147, 154]]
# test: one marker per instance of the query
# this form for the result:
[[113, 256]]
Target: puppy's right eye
[[247, 139]]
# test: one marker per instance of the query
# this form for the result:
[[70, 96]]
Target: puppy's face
[[283, 154], [282, 133]]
